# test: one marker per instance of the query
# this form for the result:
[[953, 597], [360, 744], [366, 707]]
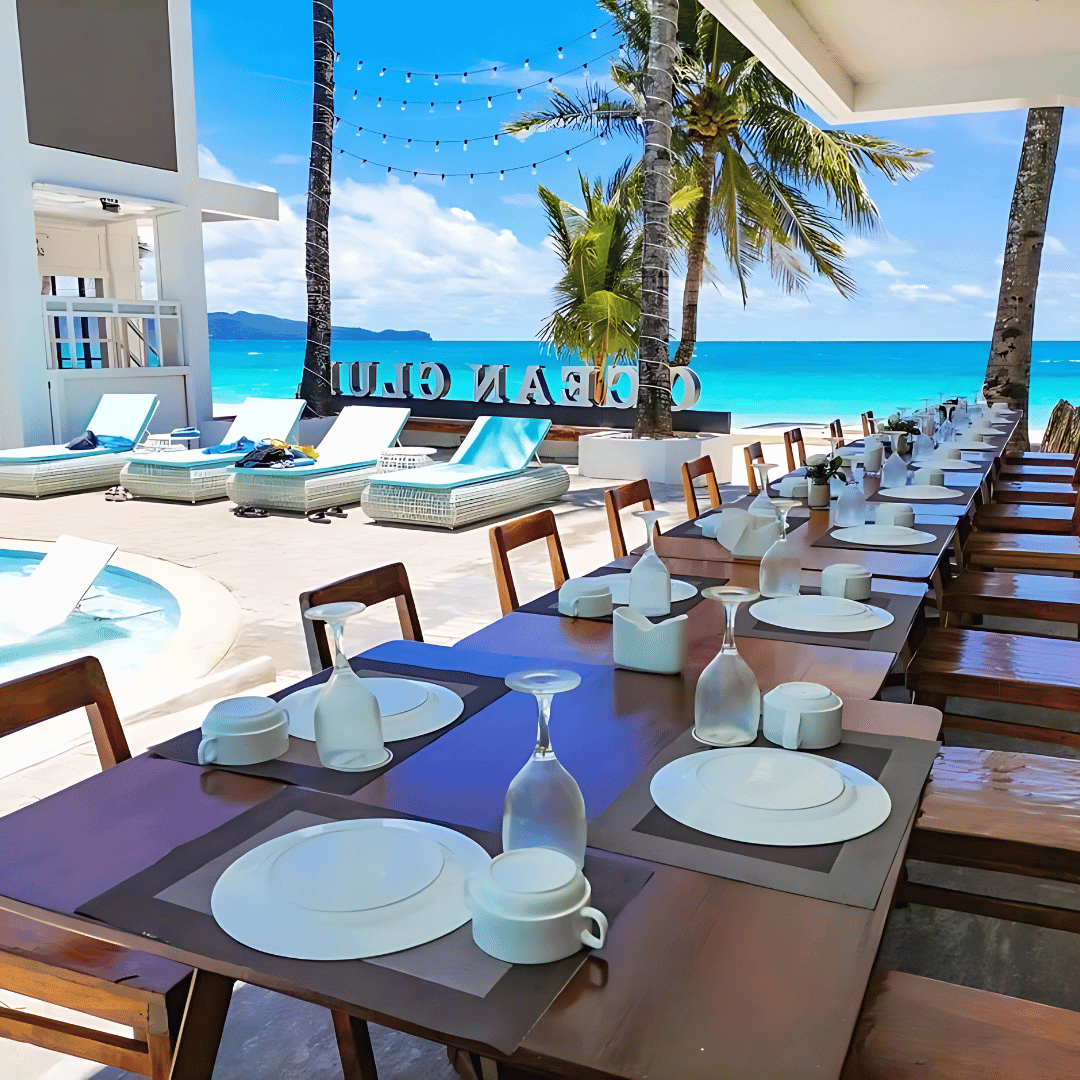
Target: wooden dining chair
[[836, 430], [997, 517], [692, 470], [146, 993], [869, 424], [515, 534], [390, 582], [792, 439], [753, 454], [617, 499]]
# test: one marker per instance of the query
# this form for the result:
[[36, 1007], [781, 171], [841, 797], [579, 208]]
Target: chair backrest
[[691, 470], [360, 433], [618, 499], [836, 430], [502, 442], [1076, 517], [266, 418], [123, 416], [794, 438], [753, 453], [389, 582], [78, 684], [869, 424], [515, 534]]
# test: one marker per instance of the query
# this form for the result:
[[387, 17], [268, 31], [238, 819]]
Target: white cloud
[[887, 244], [289, 159], [971, 291], [910, 291], [398, 259], [520, 198], [1052, 243], [883, 266]]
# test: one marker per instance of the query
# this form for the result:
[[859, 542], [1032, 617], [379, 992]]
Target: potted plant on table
[[820, 470], [901, 431]]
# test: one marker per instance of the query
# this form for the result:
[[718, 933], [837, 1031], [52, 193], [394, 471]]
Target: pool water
[[148, 617]]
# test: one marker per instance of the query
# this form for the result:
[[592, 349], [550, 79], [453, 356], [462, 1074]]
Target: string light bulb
[[567, 155], [502, 174], [465, 145], [442, 176], [593, 34], [518, 95], [414, 175], [526, 65], [363, 163], [379, 105], [382, 73], [534, 168], [489, 103], [560, 52], [431, 107], [408, 144], [436, 80], [464, 76], [403, 104], [457, 107], [470, 178], [384, 139], [389, 169], [585, 68], [354, 93], [496, 140], [436, 146], [359, 65], [408, 76], [358, 130], [337, 57]]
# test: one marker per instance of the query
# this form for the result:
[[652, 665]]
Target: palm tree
[[315, 382], [599, 295], [1008, 370], [757, 159]]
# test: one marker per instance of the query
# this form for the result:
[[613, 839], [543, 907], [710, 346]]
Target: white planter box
[[613, 455]]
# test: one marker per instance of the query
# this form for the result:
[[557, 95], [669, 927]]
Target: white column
[[24, 394]]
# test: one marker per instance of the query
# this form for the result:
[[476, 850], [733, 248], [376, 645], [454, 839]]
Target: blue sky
[[470, 261]]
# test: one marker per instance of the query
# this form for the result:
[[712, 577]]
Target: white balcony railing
[[96, 332]]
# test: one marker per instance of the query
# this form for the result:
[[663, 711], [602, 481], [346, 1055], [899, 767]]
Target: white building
[[98, 145]]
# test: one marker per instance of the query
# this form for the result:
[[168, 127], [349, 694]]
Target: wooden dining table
[[701, 978]]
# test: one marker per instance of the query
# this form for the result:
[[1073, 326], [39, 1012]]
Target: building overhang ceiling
[[861, 60]]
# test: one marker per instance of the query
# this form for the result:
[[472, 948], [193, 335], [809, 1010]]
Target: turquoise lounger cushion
[[496, 446], [40, 455]]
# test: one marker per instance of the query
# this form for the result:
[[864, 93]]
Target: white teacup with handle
[[931, 476], [895, 514], [848, 580], [585, 598], [244, 731], [802, 716]]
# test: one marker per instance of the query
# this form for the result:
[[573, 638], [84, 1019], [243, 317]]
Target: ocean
[[757, 381]]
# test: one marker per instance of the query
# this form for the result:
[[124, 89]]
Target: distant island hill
[[248, 326]]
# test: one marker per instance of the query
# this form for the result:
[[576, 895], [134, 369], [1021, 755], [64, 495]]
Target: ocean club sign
[[575, 385]]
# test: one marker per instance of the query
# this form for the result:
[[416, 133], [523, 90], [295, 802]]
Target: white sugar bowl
[[585, 598], [530, 906], [244, 731]]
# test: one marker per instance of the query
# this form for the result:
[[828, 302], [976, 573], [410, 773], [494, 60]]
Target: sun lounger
[[488, 476], [348, 454], [54, 588], [195, 475], [120, 419]]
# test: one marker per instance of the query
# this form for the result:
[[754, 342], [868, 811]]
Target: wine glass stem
[[338, 630], [543, 738], [729, 627]]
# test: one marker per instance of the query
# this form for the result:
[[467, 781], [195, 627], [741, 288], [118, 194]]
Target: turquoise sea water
[[757, 381]]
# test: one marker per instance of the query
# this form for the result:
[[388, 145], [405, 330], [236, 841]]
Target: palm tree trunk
[[654, 382], [695, 256], [1008, 370], [315, 382]]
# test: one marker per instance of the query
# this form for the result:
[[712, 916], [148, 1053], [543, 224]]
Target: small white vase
[[818, 498]]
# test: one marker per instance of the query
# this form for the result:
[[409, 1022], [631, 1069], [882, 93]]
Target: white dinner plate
[[438, 707], [685, 790], [781, 612], [770, 779], [620, 589], [920, 492], [884, 536], [374, 896], [948, 464]]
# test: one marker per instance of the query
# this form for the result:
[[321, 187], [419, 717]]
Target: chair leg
[[354, 1046], [935, 701]]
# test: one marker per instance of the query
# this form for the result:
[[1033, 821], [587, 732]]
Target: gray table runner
[[943, 534], [852, 872], [448, 985]]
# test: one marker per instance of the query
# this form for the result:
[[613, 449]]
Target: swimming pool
[[128, 620]]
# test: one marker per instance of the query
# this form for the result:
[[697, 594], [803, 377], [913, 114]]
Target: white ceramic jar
[[530, 906], [585, 598], [244, 731]]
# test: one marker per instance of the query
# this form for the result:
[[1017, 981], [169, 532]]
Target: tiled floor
[[266, 563]]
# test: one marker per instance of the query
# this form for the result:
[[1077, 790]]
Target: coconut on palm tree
[[777, 189]]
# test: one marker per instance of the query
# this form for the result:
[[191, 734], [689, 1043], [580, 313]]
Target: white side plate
[[620, 589], [920, 492], [884, 536], [799, 617]]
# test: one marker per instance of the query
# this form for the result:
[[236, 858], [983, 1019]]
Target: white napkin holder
[[745, 535], [641, 645], [931, 476], [794, 487]]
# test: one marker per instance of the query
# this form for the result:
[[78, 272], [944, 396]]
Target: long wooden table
[[701, 978]]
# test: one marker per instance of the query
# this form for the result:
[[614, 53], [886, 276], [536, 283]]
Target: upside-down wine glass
[[348, 723], [780, 573], [544, 806], [727, 702], [763, 501], [650, 582]]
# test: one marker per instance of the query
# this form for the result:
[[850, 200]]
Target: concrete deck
[[266, 563]]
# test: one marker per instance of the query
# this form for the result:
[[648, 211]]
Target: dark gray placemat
[[548, 604], [300, 764], [850, 873], [887, 639], [963, 499], [443, 992], [943, 534]]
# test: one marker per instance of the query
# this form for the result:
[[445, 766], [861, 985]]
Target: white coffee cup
[[895, 514], [794, 487], [585, 598], [244, 731], [872, 454], [531, 906], [802, 716], [848, 580], [931, 476]]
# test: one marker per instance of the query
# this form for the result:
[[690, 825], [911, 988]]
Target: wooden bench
[[1010, 668], [1017, 596], [1007, 490], [912, 1028], [1045, 474], [1018, 517], [1023, 551]]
